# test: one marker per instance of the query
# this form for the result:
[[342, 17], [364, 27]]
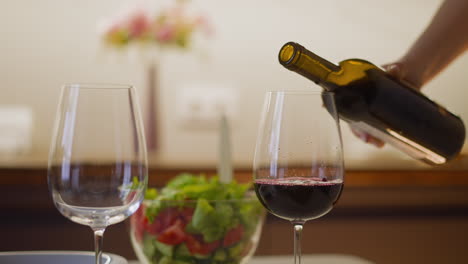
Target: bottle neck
[[298, 59]]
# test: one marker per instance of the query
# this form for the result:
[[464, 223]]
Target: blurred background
[[394, 209], [48, 43]]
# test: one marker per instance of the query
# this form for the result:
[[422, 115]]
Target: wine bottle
[[371, 100]]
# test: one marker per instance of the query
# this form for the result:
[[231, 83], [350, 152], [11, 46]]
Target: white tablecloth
[[322, 259]]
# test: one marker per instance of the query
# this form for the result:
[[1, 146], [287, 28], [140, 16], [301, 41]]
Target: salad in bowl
[[199, 220]]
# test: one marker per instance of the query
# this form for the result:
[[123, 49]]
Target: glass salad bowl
[[197, 220]]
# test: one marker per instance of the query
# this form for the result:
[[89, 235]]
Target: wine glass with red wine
[[298, 164]]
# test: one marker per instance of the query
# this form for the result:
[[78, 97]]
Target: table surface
[[322, 259]]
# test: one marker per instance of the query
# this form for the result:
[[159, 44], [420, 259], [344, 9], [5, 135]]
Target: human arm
[[443, 40]]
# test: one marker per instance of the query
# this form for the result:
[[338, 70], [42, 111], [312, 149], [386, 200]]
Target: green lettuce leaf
[[211, 221]]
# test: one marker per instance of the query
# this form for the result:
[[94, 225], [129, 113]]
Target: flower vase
[[151, 108]]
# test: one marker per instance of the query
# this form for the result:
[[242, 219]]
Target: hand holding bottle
[[397, 71], [439, 45]]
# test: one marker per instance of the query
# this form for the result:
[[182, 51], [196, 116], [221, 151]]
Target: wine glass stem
[[297, 242], [98, 237]]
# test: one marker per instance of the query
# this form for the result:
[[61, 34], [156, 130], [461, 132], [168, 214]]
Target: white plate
[[57, 257]]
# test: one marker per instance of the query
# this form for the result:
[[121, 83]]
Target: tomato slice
[[174, 234], [138, 220], [187, 214], [163, 220], [233, 236], [196, 245]]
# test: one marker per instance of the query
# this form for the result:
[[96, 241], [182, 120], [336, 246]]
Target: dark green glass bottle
[[369, 99]]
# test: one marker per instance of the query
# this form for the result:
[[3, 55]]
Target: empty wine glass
[[97, 171], [298, 164]]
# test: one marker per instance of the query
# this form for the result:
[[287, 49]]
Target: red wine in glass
[[298, 198], [298, 162]]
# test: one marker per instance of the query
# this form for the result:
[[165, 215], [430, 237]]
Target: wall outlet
[[201, 106]]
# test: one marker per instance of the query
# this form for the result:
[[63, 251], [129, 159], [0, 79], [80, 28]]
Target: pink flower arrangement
[[170, 27]]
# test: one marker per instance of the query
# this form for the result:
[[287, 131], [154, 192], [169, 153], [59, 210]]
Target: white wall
[[44, 44]]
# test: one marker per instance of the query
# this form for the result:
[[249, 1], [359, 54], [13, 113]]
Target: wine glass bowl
[[299, 199], [98, 200], [298, 164], [97, 170]]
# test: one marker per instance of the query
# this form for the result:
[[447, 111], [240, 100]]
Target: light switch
[[15, 129]]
